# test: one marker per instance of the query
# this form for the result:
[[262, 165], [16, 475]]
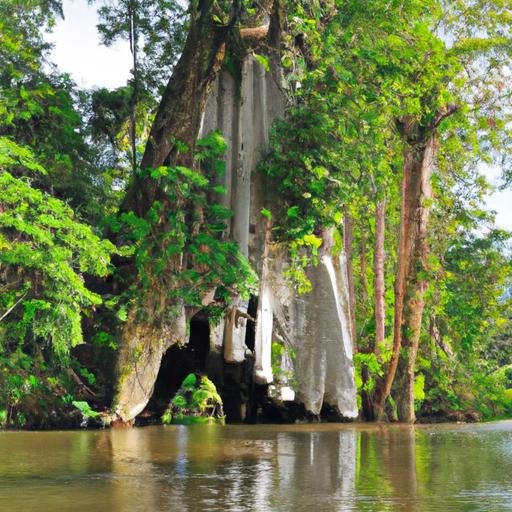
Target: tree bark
[[410, 283], [363, 268], [348, 243], [134, 40], [379, 303], [153, 324], [178, 117], [415, 284], [378, 269], [420, 149]]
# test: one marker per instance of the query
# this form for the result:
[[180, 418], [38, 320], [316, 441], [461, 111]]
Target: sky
[[78, 51]]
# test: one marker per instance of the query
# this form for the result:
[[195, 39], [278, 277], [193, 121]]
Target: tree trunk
[[179, 114], [413, 289], [153, 324], [348, 243], [324, 363], [410, 283], [419, 155], [363, 269], [134, 40], [379, 303], [264, 318], [378, 269]]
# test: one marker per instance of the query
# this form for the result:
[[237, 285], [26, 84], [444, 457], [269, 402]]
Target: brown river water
[[327, 467]]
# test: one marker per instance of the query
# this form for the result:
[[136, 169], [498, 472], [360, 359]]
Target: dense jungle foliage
[[377, 90]]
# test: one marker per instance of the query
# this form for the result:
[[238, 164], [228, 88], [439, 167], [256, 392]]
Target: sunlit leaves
[[45, 251], [190, 256]]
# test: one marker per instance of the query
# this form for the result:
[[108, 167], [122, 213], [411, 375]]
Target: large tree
[[180, 222]]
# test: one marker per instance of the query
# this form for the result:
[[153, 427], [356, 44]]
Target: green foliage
[[419, 390], [278, 353], [474, 276], [41, 109], [492, 399], [85, 409], [111, 114], [157, 32], [45, 251], [197, 401], [105, 339], [13, 155], [303, 168], [469, 315], [266, 213], [368, 369], [179, 401], [189, 257], [89, 377], [167, 417], [263, 61], [357, 72], [358, 92], [190, 382], [35, 391], [371, 363]]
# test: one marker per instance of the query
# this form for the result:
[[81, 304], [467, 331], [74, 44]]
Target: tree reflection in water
[[268, 468]]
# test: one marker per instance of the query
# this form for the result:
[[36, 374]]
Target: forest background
[[370, 85]]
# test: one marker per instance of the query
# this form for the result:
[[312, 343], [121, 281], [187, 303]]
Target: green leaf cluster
[[45, 252], [191, 255], [197, 401]]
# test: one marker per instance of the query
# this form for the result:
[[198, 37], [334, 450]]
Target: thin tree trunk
[[379, 302], [133, 37], [378, 269], [348, 243], [363, 266], [410, 284]]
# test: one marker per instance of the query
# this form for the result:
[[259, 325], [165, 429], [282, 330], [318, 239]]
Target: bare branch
[[448, 111], [13, 306]]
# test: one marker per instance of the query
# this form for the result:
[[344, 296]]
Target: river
[[319, 468]]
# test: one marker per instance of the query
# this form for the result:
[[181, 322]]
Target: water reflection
[[387, 466], [265, 468], [320, 465]]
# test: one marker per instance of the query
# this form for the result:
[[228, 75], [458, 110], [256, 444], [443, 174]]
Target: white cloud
[[77, 49]]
